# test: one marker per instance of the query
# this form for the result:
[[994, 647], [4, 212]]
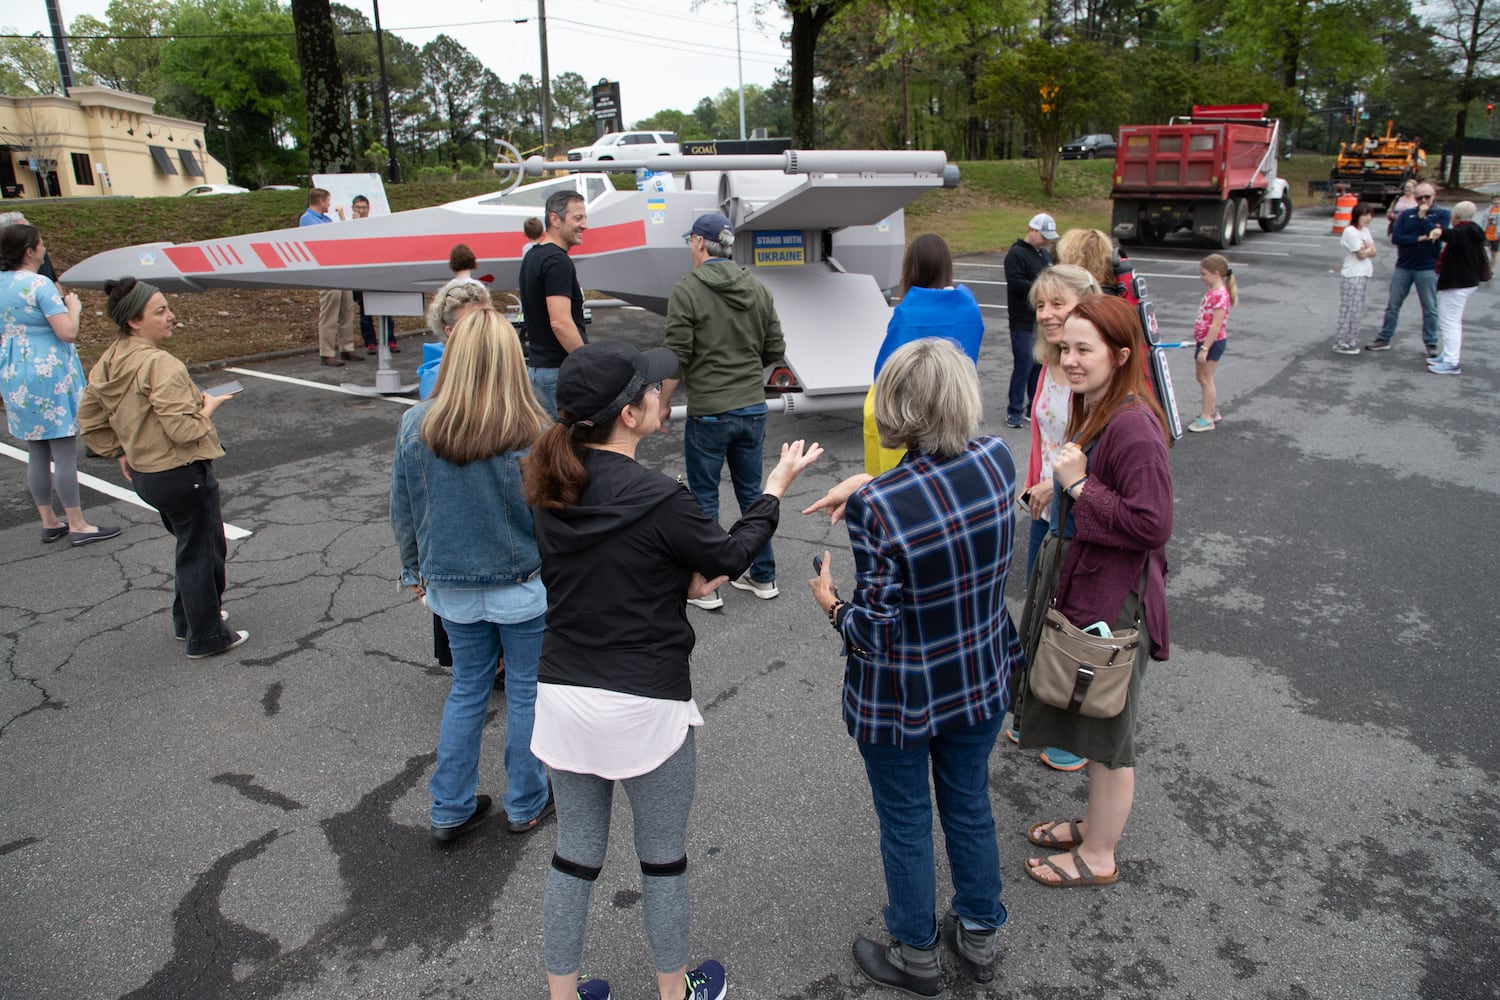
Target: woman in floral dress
[[42, 380]]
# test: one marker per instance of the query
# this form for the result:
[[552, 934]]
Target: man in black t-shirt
[[551, 298]]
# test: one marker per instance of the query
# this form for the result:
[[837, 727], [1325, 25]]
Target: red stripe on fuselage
[[268, 255], [486, 246], [188, 259], [351, 252]]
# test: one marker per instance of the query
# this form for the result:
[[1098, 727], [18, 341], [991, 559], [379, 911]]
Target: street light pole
[[393, 169], [739, 58]]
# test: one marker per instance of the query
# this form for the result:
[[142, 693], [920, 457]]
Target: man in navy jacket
[[1418, 235]]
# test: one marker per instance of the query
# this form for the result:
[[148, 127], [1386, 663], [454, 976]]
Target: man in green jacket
[[722, 325]]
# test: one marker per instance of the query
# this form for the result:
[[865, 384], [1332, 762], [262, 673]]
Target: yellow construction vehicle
[[1375, 169]]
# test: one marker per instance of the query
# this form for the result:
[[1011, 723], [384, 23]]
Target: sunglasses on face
[[1424, 197]]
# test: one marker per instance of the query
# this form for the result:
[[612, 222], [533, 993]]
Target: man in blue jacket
[[1418, 235]]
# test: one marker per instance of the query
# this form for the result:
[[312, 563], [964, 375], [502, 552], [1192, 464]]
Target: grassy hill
[[987, 211]]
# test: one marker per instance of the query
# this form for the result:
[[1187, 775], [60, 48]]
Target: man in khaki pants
[[337, 314]]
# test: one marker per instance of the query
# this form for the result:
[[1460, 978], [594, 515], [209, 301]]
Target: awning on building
[[163, 161], [190, 163]]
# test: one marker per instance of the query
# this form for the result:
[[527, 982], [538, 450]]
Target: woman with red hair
[[1112, 517]]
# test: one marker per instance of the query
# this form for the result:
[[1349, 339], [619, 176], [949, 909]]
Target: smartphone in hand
[[227, 389]]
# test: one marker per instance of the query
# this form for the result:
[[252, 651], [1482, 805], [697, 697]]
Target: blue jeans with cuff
[[960, 766]]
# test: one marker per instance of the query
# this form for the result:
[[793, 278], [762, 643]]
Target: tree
[[233, 66], [36, 133], [28, 66], [1471, 30], [329, 148], [1051, 89], [124, 52], [809, 18], [685, 125], [450, 73]]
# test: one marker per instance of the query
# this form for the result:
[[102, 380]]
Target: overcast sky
[[663, 53]]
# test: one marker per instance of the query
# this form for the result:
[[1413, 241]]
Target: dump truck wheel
[[1281, 209]]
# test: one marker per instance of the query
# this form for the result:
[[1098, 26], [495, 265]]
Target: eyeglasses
[[1424, 197], [654, 387]]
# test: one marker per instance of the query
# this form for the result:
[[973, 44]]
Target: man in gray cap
[[722, 325], [1026, 259]]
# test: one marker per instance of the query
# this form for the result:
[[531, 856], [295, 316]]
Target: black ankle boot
[[975, 949], [900, 966]]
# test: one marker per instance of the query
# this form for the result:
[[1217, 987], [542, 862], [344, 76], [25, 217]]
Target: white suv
[[628, 146]]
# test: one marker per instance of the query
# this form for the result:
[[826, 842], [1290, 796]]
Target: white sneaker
[[765, 591], [712, 602]]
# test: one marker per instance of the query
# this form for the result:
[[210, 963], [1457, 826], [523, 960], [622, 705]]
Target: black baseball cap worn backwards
[[597, 380]]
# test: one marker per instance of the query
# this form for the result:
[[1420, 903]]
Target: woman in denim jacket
[[464, 531]]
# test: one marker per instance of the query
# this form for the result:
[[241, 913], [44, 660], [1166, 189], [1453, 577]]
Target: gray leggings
[[61, 452], [659, 805]]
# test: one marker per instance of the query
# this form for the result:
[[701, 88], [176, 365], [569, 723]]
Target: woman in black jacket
[[1463, 266], [623, 549]]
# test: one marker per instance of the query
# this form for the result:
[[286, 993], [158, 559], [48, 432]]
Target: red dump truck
[[1208, 173]]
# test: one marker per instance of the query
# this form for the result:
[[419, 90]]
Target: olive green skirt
[[1111, 742]]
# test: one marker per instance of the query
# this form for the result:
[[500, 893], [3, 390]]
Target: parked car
[[215, 189], [628, 146], [1088, 147]]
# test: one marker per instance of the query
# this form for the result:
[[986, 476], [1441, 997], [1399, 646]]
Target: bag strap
[[1065, 505]]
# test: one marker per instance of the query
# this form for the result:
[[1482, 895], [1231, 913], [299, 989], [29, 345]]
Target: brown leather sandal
[[1066, 881], [1045, 834]]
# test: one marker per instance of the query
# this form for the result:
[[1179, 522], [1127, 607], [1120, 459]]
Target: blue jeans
[[544, 384], [707, 443], [1402, 281], [960, 762], [455, 781], [1023, 374]]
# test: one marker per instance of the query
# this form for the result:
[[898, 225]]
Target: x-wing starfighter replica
[[823, 230]]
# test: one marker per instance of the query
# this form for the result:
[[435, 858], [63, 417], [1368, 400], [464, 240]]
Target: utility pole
[[393, 168], [541, 15]]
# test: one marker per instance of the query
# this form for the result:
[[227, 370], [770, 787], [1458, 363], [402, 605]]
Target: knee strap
[[574, 869], [664, 871]]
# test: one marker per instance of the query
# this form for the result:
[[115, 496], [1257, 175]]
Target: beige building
[[98, 141]]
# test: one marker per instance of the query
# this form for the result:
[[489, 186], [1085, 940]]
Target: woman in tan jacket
[[141, 400]]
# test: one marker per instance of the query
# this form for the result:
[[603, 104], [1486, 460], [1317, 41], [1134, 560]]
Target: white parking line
[[118, 492], [308, 383]]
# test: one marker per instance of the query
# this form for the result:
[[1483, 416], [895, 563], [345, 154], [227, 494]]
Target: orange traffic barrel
[[1343, 213]]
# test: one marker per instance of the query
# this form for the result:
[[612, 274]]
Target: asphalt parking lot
[[1316, 814]]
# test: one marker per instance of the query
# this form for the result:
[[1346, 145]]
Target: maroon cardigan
[[1123, 514]]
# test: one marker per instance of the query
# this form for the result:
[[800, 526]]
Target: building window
[[83, 170], [189, 163], [163, 161]]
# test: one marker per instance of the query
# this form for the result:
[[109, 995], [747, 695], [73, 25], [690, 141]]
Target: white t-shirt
[[1351, 241]]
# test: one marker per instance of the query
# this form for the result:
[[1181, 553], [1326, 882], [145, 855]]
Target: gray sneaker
[[765, 591], [712, 602], [1378, 345]]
